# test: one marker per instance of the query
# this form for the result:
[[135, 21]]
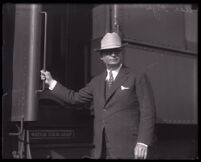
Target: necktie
[[110, 80]]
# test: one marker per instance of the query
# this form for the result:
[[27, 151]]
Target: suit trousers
[[105, 152]]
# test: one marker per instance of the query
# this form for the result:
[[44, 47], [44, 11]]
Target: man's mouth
[[114, 59]]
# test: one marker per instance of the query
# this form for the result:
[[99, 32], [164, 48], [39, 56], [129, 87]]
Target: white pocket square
[[123, 88]]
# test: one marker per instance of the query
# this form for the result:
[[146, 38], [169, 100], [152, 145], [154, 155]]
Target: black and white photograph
[[100, 81]]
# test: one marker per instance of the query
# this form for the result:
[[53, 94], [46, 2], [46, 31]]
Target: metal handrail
[[44, 49]]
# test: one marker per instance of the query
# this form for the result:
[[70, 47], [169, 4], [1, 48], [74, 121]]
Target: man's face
[[111, 57]]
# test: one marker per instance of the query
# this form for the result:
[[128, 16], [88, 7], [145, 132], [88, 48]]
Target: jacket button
[[104, 122]]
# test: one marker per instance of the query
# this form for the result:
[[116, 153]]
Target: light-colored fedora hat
[[110, 41]]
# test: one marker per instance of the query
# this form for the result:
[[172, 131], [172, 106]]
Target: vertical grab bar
[[44, 49], [116, 23]]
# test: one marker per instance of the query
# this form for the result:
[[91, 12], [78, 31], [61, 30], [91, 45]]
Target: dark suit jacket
[[128, 113]]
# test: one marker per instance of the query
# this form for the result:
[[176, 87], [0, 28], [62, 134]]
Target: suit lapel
[[121, 77], [102, 87]]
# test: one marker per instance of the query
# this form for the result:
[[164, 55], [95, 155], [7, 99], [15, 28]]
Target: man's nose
[[113, 54]]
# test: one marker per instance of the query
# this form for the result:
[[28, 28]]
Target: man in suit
[[123, 102]]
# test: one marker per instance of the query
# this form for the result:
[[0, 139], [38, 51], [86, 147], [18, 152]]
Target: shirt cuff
[[52, 85], [142, 144]]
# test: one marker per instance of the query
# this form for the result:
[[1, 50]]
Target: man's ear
[[101, 57]]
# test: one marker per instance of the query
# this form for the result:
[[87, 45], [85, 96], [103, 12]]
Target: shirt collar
[[114, 72]]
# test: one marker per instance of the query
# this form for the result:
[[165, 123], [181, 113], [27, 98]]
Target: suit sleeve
[[147, 109], [83, 96]]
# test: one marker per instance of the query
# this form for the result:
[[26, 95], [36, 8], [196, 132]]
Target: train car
[[161, 41]]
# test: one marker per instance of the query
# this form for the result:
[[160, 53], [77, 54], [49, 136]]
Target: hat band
[[110, 46]]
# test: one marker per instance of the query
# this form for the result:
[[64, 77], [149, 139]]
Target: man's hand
[[45, 75], [140, 151]]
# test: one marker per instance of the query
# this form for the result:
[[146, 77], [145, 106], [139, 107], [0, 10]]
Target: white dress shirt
[[52, 85], [114, 73]]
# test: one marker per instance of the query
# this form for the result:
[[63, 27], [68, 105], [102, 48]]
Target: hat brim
[[122, 46]]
